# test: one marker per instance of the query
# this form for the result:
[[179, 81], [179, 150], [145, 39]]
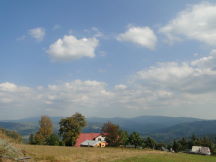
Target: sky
[[107, 58]]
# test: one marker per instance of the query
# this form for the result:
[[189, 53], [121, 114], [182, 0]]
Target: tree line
[[185, 144], [71, 127], [69, 130]]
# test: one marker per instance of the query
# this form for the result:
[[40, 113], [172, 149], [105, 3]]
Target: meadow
[[67, 154]]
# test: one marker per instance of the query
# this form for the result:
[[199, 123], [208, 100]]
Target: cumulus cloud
[[78, 92], [37, 33], [71, 48], [143, 36], [197, 76], [172, 87], [8, 86], [120, 87], [55, 99], [11, 87], [197, 22], [168, 86]]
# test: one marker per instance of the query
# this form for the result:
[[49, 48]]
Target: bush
[[11, 136], [7, 150], [53, 140]]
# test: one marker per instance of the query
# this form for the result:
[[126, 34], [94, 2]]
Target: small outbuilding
[[201, 150]]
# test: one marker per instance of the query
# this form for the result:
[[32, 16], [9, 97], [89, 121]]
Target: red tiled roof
[[86, 136]]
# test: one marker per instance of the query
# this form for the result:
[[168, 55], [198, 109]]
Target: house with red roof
[[91, 140]]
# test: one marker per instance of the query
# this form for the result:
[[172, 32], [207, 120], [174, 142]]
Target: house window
[[99, 139]]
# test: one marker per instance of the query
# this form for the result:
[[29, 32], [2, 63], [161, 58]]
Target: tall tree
[[135, 139], [123, 137], [71, 127], [150, 143], [115, 136], [32, 139], [45, 130], [177, 146]]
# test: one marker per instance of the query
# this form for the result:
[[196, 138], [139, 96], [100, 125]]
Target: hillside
[[141, 124], [163, 129], [8, 149], [198, 128], [61, 153], [12, 151], [10, 136], [22, 128]]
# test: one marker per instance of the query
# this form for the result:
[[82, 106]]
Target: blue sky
[[107, 58]]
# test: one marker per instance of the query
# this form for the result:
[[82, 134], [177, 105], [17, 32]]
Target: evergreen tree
[[32, 139], [123, 137], [176, 146], [184, 144], [135, 139], [150, 143]]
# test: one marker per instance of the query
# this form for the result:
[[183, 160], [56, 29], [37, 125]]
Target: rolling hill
[[161, 128], [198, 128], [22, 128], [142, 124]]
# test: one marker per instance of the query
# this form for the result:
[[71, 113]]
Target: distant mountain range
[[161, 128], [198, 128]]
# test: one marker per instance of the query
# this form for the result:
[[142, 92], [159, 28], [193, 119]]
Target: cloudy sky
[[102, 58]]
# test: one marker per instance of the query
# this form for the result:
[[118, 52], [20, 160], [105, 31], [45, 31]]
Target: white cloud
[[206, 62], [197, 76], [37, 33], [196, 22], [60, 99], [71, 48], [8, 87], [95, 32], [120, 87], [11, 87], [165, 71], [167, 86], [143, 36]]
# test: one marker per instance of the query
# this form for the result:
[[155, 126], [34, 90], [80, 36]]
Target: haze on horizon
[[108, 58]]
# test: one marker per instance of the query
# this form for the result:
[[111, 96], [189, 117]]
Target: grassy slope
[[60, 153], [5, 137], [171, 157], [8, 151]]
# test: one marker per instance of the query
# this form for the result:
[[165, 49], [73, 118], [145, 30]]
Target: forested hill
[[142, 124], [159, 127], [198, 128], [24, 128]]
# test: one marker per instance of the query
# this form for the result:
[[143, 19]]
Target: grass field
[[60, 153], [169, 157]]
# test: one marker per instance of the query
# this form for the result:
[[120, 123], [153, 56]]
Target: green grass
[[169, 157], [74, 154]]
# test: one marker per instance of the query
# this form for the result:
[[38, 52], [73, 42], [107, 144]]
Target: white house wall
[[100, 137]]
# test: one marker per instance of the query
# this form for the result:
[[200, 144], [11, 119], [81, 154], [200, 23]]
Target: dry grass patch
[[60, 153]]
